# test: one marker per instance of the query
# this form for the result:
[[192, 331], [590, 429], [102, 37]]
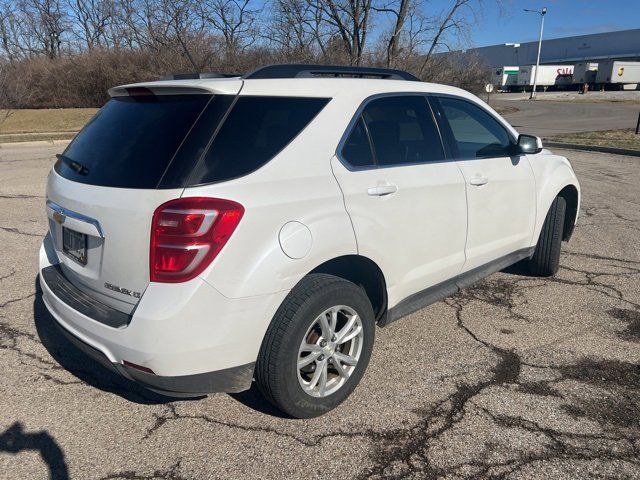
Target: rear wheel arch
[[363, 272]]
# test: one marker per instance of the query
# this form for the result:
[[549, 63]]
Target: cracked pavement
[[515, 377]]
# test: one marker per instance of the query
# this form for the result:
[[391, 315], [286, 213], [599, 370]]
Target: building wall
[[623, 45]]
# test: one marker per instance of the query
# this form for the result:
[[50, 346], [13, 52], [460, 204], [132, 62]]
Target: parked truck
[[506, 77], [618, 73], [585, 72], [548, 76]]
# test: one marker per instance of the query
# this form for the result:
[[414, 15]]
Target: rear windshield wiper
[[72, 164]]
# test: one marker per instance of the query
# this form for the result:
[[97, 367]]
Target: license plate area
[[74, 244]]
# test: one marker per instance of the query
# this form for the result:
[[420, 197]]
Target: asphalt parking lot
[[547, 118], [516, 377]]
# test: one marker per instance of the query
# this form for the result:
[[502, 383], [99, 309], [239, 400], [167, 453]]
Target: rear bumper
[[192, 338], [236, 379]]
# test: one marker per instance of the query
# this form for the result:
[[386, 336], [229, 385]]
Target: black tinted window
[[402, 130], [131, 141], [255, 130], [357, 149], [476, 133]]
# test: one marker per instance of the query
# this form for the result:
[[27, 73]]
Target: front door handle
[[382, 190], [479, 181]]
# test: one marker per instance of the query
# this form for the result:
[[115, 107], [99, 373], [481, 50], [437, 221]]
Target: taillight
[[187, 234]]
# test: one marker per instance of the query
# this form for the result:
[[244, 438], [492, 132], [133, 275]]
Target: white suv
[[208, 232]]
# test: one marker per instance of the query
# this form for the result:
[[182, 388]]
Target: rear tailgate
[[116, 222], [103, 190]]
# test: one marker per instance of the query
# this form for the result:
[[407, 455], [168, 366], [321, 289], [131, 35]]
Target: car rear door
[[500, 184], [406, 200]]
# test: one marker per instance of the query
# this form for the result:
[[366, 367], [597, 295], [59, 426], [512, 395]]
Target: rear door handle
[[382, 190], [479, 181]]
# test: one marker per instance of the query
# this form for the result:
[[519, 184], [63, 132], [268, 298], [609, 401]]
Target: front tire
[[317, 347], [546, 258]]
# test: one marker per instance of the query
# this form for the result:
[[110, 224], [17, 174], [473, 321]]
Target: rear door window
[[132, 140], [403, 130], [357, 149], [255, 130]]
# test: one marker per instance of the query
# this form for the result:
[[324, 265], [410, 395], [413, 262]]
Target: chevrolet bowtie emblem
[[59, 217]]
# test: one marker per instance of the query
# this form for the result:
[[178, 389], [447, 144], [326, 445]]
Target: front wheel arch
[[570, 196]]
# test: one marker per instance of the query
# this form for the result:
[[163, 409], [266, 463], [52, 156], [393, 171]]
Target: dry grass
[[605, 138], [44, 121], [505, 109]]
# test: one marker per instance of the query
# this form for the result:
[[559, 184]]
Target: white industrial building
[[621, 45]]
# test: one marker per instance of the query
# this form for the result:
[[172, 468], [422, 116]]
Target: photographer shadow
[[15, 440]]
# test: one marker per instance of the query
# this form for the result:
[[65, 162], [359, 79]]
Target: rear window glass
[[131, 140], [255, 130]]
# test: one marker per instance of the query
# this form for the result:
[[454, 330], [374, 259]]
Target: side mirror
[[529, 144]]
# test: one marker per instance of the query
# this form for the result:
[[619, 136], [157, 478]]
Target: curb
[[594, 148], [33, 143]]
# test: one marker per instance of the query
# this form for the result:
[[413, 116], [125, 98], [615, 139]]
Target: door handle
[[479, 181], [382, 190]]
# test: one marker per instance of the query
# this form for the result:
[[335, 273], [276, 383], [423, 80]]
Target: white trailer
[[548, 75], [585, 72], [617, 72], [505, 77]]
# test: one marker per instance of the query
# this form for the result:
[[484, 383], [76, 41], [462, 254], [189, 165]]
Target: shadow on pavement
[[15, 440]]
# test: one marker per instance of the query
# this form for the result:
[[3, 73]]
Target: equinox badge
[[124, 291]]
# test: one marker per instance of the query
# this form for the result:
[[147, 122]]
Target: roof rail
[[310, 71], [199, 75]]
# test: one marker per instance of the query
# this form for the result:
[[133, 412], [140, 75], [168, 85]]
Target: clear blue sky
[[565, 18]]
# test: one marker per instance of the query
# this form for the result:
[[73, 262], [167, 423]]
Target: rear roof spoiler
[[230, 86]]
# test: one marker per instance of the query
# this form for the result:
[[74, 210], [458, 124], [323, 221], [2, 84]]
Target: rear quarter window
[[255, 130]]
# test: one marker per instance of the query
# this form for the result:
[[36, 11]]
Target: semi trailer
[[585, 72], [505, 77], [619, 73], [548, 76]]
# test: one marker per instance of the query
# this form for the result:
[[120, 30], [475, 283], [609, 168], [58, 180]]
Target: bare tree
[[43, 24], [351, 19], [90, 21], [450, 21], [399, 9], [235, 20]]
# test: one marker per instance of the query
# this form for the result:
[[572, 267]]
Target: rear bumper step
[[80, 301]]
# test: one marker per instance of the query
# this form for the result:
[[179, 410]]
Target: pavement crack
[[171, 473], [19, 196], [20, 232]]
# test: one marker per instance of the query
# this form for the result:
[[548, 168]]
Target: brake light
[[187, 234]]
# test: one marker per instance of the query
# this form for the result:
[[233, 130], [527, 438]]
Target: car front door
[[406, 200], [500, 184]]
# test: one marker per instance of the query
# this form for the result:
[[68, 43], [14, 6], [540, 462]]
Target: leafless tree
[[351, 20], [234, 20], [90, 21], [451, 22], [43, 22], [399, 10]]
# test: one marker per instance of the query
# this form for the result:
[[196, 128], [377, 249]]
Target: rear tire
[[297, 334], [546, 258]]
